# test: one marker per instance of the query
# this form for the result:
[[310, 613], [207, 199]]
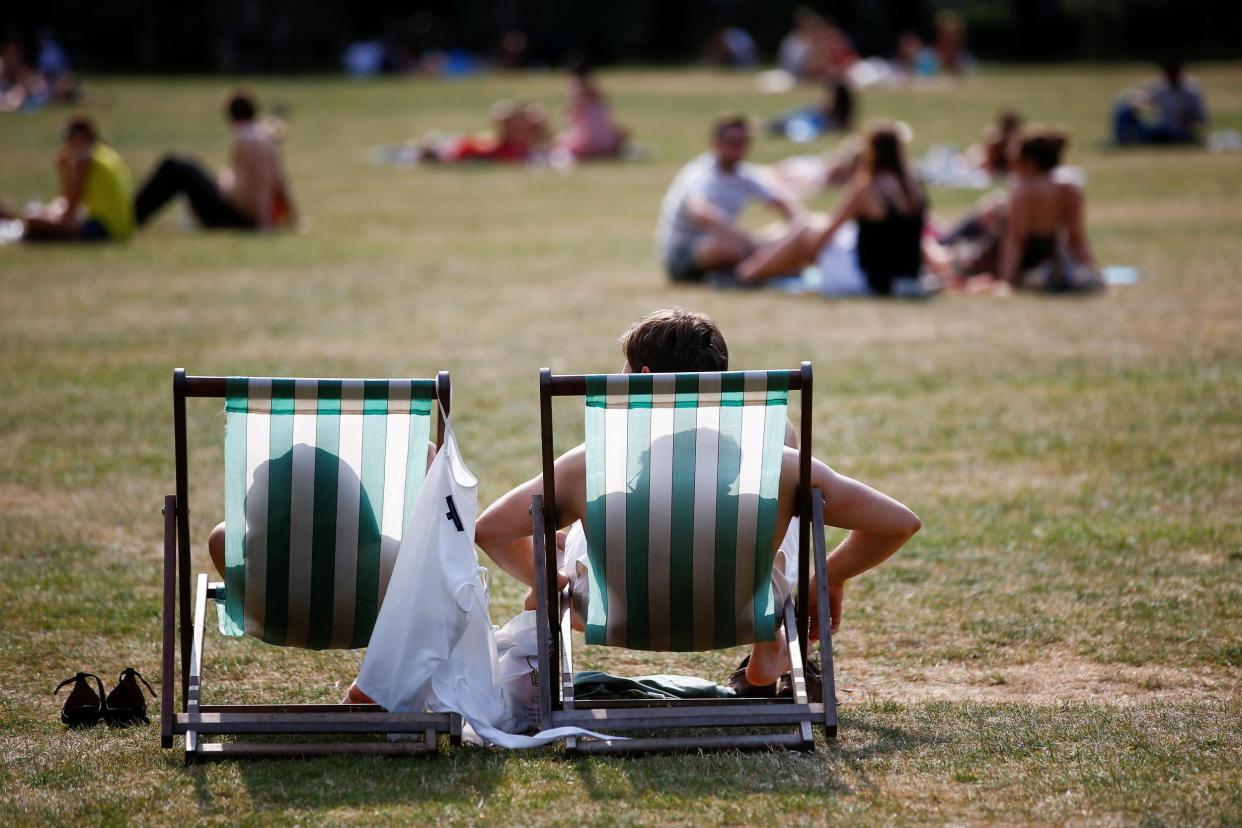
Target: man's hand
[[562, 580], [836, 593]]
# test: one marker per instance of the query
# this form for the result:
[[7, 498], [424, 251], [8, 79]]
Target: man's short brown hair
[[674, 340], [241, 104], [727, 121]]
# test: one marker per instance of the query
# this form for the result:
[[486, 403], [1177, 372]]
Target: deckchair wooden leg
[[543, 624], [797, 674], [454, 730], [824, 612], [193, 697], [170, 622], [567, 675]]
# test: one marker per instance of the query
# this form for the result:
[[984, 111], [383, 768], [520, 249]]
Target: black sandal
[[84, 707], [814, 683], [125, 704]]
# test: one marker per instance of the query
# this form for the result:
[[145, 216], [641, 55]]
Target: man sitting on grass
[[679, 340], [698, 230], [252, 195]]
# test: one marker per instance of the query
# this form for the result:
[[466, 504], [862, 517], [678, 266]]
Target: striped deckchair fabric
[[320, 477], [682, 479]]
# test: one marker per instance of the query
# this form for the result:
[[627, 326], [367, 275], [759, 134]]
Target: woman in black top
[[889, 207]]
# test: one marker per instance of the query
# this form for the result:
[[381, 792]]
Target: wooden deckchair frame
[[194, 719], [792, 717]]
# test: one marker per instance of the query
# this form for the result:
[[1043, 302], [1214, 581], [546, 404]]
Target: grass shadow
[[836, 768], [454, 776]]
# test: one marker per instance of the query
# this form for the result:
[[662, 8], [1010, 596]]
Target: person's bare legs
[[41, 229], [720, 252], [769, 660], [215, 548], [789, 254]]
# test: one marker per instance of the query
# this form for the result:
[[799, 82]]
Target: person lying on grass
[[679, 340]]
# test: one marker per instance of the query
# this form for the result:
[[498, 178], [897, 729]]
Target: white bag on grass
[[432, 647]]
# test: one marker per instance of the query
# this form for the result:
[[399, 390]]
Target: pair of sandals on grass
[[124, 706]]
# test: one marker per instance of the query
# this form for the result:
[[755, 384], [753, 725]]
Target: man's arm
[[503, 531], [878, 524], [73, 172], [1077, 236], [709, 218], [787, 207]]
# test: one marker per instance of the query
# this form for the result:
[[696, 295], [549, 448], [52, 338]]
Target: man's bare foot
[[768, 661]]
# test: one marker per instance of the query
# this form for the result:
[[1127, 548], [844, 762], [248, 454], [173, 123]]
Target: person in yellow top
[[96, 192]]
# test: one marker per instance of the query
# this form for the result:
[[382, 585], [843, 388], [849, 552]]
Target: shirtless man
[[698, 229], [679, 340], [252, 195]]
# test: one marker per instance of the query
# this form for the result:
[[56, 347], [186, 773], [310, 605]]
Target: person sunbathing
[[887, 205], [680, 340], [252, 194], [519, 134], [592, 132], [1044, 226], [95, 202], [698, 230]]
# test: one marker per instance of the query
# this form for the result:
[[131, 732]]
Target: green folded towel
[[592, 684]]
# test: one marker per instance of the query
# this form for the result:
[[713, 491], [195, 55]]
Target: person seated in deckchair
[[95, 192], [678, 340], [253, 194]]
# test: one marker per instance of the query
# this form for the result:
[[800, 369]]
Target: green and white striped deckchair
[[320, 477], [683, 475]]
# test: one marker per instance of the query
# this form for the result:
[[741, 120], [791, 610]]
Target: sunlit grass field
[[1062, 643]]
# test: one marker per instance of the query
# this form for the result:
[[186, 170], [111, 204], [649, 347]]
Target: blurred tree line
[[290, 36]]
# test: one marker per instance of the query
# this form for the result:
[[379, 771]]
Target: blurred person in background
[[1169, 110], [999, 145], [730, 47], [885, 210], [698, 231], [591, 130], [251, 194], [1035, 235], [816, 48], [96, 192], [834, 114], [950, 45], [519, 134], [21, 87], [1044, 245]]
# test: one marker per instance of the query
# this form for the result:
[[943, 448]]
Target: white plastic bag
[[432, 647], [433, 592], [517, 649]]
